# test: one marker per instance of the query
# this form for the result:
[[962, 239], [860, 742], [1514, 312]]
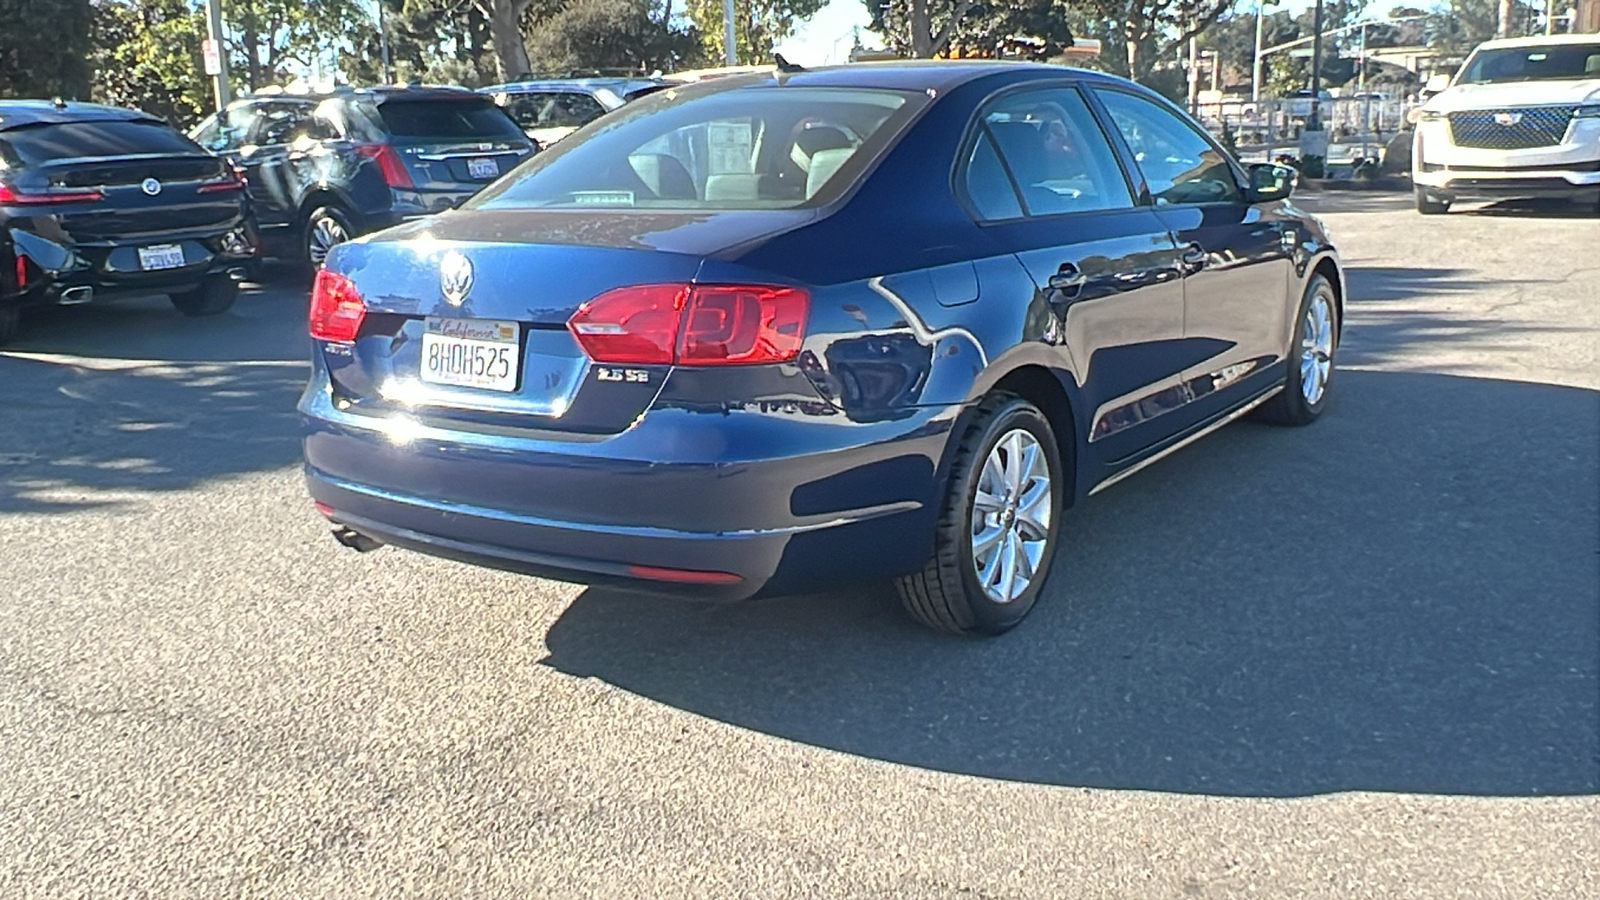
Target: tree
[[613, 34], [267, 36], [505, 29], [757, 25], [1152, 30], [433, 41], [1023, 29], [44, 48], [146, 54]]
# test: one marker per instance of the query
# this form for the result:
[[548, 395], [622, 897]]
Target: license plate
[[480, 353], [160, 256], [483, 167]]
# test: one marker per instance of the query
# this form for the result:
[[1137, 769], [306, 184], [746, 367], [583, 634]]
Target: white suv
[[1521, 119]]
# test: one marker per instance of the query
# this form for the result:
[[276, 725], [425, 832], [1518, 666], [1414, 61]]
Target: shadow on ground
[[135, 397], [1401, 598]]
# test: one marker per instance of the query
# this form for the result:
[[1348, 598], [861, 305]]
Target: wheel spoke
[[1025, 565], [984, 501], [1013, 463], [1008, 568], [984, 541], [989, 570]]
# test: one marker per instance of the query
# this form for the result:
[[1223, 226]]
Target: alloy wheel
[[325, 234], [1011, 512], [1316, 348]]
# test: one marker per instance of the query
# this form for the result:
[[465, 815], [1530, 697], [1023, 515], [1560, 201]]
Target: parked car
[[548, 110], [767, 334], [1299, 102], [1521, 119], [99, 203], [326, 167]]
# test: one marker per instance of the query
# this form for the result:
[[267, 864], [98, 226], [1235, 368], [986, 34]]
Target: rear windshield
[[1551, 62], [448, 119], [35, 144], [750, 148]]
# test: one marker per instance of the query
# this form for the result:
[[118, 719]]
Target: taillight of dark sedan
[[774, 333]]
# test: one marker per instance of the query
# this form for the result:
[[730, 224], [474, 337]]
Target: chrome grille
[[1493, 129]]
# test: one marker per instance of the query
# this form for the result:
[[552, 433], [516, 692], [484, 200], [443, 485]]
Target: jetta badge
[[455, 277], [150, 186], [1507, 118]]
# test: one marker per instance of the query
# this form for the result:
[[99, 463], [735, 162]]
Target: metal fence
[[1357, 127]]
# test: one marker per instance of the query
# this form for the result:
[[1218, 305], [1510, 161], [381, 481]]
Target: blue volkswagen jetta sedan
[[771, 333]]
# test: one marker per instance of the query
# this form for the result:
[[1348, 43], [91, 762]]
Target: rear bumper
[[666, 507], [68, 273]]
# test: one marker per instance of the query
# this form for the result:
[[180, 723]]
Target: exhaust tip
[[355, 540], [74, 296], [239, 273]]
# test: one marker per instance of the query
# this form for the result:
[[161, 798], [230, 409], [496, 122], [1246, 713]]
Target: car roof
[[380, 94], [1541, 40], [568, 84], [17, 113], [903, 74]]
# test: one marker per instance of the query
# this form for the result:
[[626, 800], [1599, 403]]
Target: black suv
[[100, 202], [324, 168]]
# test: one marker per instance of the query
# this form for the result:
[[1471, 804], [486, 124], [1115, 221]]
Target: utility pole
[[730, 50], [1194, 76], [219, 77], [1314, 121], [1255, 61]]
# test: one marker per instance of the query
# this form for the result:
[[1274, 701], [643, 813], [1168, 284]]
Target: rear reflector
[[390, 164], [323, 508], [336, 308], [692, 324], [22, 272], [683, 576]]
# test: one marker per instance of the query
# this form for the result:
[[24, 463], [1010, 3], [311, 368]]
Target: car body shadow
[[1403, 597]]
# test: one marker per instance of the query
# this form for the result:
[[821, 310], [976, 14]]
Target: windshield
[[750, 148], [1548, 63]]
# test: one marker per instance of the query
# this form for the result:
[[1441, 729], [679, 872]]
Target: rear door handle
[[1068, 278], [1194, 257]]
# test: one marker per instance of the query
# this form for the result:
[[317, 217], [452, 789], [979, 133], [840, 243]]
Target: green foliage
[[1019, 29], [44, 48], [612, 34], [432, 41], [1148, 32], [268, 39], [147, 55], [758, 25]]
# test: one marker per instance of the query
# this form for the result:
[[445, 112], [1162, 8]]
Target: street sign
[[213, 56]]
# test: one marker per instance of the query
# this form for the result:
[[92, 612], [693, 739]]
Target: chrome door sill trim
[[1225, 420]]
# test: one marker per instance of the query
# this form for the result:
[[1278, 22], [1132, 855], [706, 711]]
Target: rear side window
[[447, 119], [1053, 152], [748, 148], [35, 144]]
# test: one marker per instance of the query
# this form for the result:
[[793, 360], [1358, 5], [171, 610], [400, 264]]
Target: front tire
[[214, 297], [1311, 357], [998, 530], [1429, 205]]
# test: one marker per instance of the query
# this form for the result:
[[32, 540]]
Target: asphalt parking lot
[[1356, 660]]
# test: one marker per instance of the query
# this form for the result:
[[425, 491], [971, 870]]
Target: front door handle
[[1194, 258], [1068, 279]]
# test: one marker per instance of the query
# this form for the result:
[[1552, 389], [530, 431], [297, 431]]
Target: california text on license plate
[[483, 167], [480, 353], [160, 256]]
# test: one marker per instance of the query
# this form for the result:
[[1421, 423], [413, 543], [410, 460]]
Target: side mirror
[[1270, 181], [1436, 83]]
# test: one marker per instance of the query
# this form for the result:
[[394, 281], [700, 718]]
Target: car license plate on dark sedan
[[483, 167], [160, 256], [480, 353]]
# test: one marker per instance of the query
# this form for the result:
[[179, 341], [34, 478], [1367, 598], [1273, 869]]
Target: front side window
[[749, 148], [280, 123], [1179, 164], [554, 109], [1053, 152]]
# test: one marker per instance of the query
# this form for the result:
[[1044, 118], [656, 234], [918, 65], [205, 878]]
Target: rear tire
[[1311, 359], [214, 297], [1429, 205], [325, 227], [1007, 478]]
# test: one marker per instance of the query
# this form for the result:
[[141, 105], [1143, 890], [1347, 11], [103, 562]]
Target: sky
[[826, 38]]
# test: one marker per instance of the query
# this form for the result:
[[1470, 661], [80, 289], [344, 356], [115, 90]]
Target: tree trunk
[[1504, 27], [921, 30], [506, 31]]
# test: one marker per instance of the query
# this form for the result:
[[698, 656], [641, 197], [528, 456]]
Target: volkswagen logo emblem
[[1507, 118], [455, 277], [150, 186]]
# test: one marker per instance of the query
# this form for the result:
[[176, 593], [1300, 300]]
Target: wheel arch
[[1043, 386], [1328, 267]]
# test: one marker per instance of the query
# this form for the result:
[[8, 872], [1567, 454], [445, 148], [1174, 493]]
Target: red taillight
[[22, 272], [683, 576], [389, 163], [9, 194], [232, 180], [336, 308], [702, 324]]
